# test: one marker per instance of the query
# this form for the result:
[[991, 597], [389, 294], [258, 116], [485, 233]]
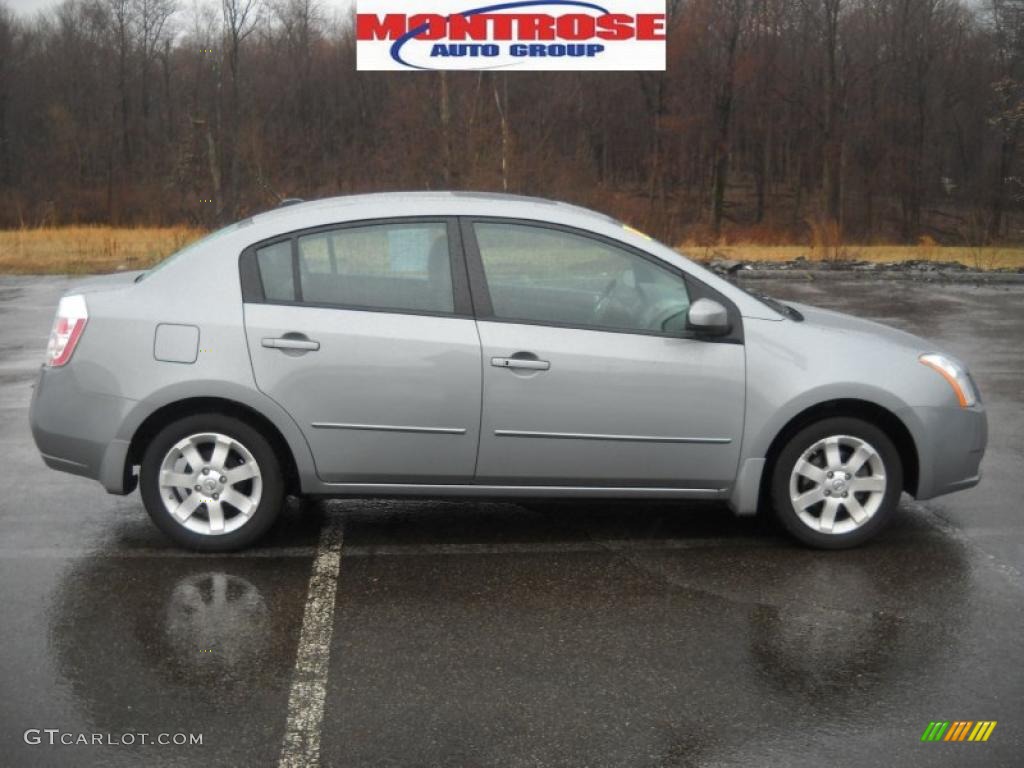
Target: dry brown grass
[[972, 257], [78, 250]]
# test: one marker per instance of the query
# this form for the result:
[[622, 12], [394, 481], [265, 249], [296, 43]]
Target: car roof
[[439, 203]]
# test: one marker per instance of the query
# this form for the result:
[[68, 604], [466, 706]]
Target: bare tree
[[832, 112], [240, 20], [122, 19], [8, 41], [1008, 97], [729, 19], [501, 102], [450, 172], [151, 20], [892, 119]]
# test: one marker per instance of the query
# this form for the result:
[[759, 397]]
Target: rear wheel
[[837, 483], [211, 483]]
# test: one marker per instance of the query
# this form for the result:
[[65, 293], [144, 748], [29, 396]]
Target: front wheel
[[211, 482], [837, 483]]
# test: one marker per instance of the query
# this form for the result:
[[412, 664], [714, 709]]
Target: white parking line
[[301, 747]]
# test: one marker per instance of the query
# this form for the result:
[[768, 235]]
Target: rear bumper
[[75, 428], [950, 445]]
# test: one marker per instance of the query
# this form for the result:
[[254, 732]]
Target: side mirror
[[707, 317]]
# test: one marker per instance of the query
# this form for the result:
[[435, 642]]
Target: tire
[[211, 511], [808, 483]]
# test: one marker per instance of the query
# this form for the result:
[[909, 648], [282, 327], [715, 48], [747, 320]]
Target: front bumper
[[950, 446], [75, 429]]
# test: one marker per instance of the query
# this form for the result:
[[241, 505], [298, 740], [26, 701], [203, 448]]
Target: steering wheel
[[602, 301]]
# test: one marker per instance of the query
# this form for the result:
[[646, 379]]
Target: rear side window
[[275, 263], [381, 266]]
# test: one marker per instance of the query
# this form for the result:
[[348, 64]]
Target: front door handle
[[523, 363], [286, 342]]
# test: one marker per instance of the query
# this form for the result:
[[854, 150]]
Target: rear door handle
[[520, 362], [285, 342]]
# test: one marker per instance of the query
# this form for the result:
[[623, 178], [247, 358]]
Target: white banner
[[512, 36]]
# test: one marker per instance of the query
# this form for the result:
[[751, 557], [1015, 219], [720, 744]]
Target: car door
[[589, 375], [364, 335]]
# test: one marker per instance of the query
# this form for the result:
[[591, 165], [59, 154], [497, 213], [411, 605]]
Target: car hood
[[837, 322], [104, 282]]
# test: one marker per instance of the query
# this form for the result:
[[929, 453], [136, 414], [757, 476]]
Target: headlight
[[956, 375]]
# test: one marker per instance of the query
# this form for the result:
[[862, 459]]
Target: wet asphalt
[[494, 634]]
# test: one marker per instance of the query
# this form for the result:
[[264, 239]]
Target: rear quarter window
[[275, 265]]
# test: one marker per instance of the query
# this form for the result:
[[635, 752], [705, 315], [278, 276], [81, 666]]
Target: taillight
[[67, 330]]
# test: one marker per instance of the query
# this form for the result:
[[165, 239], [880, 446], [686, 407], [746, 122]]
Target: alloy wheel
[[210, 483], [838, 484]]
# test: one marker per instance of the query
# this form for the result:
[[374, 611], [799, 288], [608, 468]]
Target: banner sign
[[511, 36]]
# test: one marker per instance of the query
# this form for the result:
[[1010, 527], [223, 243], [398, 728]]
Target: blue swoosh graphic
[[396, 48]]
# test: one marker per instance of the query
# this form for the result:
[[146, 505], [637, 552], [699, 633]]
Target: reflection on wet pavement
[[498, 634], [710, 654]]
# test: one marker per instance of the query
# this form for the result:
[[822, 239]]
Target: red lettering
[[615, 26], [437, 25], [650, 26], [508, 26], [575, 26], [369, 26], [471, 27], [538, 26], [502, 26]]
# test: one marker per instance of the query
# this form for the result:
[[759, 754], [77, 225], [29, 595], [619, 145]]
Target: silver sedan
[[461, 344]]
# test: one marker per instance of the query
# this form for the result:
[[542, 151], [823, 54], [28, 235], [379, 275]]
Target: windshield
[[193, 246]]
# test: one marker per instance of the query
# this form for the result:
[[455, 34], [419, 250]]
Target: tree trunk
[[122, 86], [450, 173], [506, 136], [231, 203], [1007, 149], [721, 167], [214, 165], [833, 150], [762, 168]]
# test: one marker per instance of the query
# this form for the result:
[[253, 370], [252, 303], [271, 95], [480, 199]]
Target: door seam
[[480, 422]]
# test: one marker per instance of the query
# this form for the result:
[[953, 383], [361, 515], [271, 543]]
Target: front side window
[[387, 266], [536, 274]]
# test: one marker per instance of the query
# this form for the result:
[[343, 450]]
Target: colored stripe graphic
[[982, 730], [958, 730]]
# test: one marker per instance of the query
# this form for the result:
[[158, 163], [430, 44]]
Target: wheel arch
[[178, 409], [873, 413]]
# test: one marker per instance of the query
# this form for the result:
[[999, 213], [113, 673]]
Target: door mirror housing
[[706, 317]]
